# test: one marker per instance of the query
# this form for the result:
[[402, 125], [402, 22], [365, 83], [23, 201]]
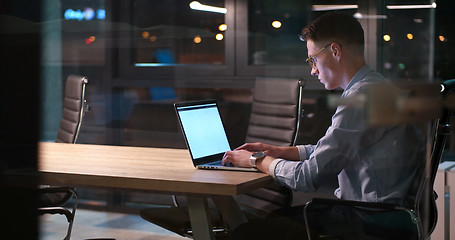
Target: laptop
[[204, 134]]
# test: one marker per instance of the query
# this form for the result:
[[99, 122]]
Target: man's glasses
[[311, 60]]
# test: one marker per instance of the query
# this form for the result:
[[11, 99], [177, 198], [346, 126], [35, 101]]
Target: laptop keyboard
[[219, 163]]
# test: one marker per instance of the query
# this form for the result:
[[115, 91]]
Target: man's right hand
[[288, 153]]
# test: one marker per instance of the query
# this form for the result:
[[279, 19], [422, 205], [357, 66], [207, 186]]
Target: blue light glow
[[101, 14], [87, 14]]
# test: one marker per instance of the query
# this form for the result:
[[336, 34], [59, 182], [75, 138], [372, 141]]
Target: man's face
[[324, 65]]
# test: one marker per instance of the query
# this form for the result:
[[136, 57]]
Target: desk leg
[[230, 210], [200, 218]]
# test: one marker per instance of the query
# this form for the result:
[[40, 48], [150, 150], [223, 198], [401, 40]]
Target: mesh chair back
[[73, 109]]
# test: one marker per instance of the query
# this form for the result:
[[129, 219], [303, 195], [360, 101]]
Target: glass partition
[[144, 55], [141, 56]]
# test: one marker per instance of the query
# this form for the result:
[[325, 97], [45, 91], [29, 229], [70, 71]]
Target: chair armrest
[[56, 189], [52, 199], [57, 210]]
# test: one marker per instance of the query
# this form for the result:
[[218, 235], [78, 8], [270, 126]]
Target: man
[[374, 164]]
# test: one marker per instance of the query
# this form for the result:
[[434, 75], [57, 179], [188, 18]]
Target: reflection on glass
[[408, 28], [178, 32], [83, 33], [273, 27]]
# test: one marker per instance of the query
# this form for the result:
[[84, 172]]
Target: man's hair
[[335, 27]]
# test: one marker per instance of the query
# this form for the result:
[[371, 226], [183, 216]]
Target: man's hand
[[240, 158], [260, 147], [288, 153]]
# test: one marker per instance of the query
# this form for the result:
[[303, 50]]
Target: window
[[168, 38], [406, 41], [178, 32], [273, 28]]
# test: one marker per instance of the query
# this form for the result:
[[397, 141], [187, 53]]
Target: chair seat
[[338, 219], [51, 196]]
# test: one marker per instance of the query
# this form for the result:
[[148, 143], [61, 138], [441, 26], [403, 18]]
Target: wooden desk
[[152, 169]]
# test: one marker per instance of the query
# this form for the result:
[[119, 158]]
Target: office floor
[[91, 224]]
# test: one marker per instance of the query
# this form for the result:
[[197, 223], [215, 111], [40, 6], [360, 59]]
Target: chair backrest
[[420, 208], [74, 106], [443, 128], [441, 132], [275, 119], [275, 111]]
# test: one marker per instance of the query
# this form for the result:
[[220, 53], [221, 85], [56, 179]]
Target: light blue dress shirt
[[375, 164]]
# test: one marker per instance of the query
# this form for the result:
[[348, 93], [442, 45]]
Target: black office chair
[[74, 108], [53, 198], [275, 111], [275, 119], [414, 220]]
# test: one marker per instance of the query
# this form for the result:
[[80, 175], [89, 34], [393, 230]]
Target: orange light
[[145, 34], [152, 38], [410, 36], [197, 39], [442, 38], [386, 37], [219, 37], [222, 27]]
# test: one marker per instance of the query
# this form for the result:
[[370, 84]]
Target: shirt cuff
[[272, 167], [302, 152]]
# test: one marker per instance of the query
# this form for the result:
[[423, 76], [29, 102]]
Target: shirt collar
[[359, 76]]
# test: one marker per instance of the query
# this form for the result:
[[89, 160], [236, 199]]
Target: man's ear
[[336, 49]]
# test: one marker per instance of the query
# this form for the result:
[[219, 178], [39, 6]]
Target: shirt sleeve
[[303, 153], [273, 166], [325, 159]]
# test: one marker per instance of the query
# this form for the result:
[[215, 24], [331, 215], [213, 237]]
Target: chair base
[[177, 219]]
